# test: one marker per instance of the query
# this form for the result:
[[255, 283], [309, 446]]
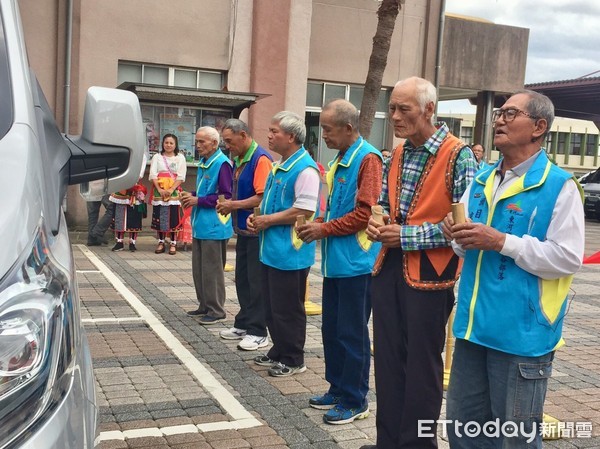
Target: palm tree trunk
[[387, 13]]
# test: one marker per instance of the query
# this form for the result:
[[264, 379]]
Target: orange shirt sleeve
[[263, 168], [369, 189]]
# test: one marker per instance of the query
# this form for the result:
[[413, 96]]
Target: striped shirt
[[427, 235]]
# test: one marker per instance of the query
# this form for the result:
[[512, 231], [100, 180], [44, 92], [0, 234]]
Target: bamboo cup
[[377, 212], [256, 211], [300, 220], [458, 213], [221, 198]]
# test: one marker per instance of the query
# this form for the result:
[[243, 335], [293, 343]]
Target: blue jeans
[[491, 386], [346, 312]]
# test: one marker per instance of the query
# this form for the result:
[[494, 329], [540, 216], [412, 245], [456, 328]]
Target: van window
[[6, 102]]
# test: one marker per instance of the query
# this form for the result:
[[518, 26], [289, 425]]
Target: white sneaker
[[253, 342], [233, 334]]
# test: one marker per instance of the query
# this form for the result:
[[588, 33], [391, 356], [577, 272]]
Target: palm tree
[[387, 13]]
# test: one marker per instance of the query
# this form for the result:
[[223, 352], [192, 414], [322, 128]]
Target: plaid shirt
[[427, 235]]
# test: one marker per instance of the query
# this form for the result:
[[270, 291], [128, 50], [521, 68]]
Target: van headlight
[[36, 340]]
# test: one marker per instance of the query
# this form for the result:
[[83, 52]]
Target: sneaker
[[325, 402], [118, 246], [281, 370], [208, 320], [233, 334], [93, 241], [132, 247], [342, 415], [253, 342], [197, 312], [228, 267], [263, 360]]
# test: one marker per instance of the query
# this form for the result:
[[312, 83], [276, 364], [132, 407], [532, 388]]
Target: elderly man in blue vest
[[292, 190], [522, 244], [354, 181], [252, 167], [479, 153], [210, 230]]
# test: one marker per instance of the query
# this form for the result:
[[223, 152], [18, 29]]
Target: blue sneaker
[[324, 402], [207, 320], [342, 415]]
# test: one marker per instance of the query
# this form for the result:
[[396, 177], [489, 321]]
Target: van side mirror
[[111, 145]]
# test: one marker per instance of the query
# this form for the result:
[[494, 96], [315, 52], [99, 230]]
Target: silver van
[[47, 397]]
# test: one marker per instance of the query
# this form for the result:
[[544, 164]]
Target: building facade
[[199, 62], [573, 144]]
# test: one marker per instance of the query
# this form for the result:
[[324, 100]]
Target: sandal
[[160, 248], [173, 249]]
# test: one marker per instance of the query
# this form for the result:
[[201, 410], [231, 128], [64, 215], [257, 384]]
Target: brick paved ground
[[164, 381]]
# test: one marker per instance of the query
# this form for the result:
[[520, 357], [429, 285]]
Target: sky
[[564, 36]]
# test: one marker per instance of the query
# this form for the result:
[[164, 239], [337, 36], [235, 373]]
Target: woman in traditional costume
[[167, 173]]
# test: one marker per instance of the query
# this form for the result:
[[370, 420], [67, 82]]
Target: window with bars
[[320, 93], [592, 145], [561, 143], [575, 144], [169, 76]]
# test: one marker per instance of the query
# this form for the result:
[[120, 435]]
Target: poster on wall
[[215, 119], [151, 130], [184, 128]]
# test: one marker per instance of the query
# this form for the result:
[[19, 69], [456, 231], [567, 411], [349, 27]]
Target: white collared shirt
[[561, 254]]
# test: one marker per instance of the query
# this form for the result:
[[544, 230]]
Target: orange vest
[[431, 269]]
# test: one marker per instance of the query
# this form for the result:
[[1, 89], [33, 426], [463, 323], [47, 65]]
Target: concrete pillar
[[279, 63], [483, 131], [240, 50]]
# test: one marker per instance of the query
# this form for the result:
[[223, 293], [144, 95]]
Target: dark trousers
[[97, 225], [409, 330], [284, 293], [208, 260], [346, 344], [251, 316]]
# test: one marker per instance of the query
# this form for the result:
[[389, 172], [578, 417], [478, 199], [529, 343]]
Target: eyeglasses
[[509, 114]]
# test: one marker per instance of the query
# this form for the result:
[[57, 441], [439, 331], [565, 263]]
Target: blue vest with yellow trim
[[280, 247], [500, 305], [243, 188], [207, 224], [348, 255]]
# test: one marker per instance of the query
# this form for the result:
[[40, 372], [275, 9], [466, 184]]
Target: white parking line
[[112, 320], [175, 430], [242, 417]]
